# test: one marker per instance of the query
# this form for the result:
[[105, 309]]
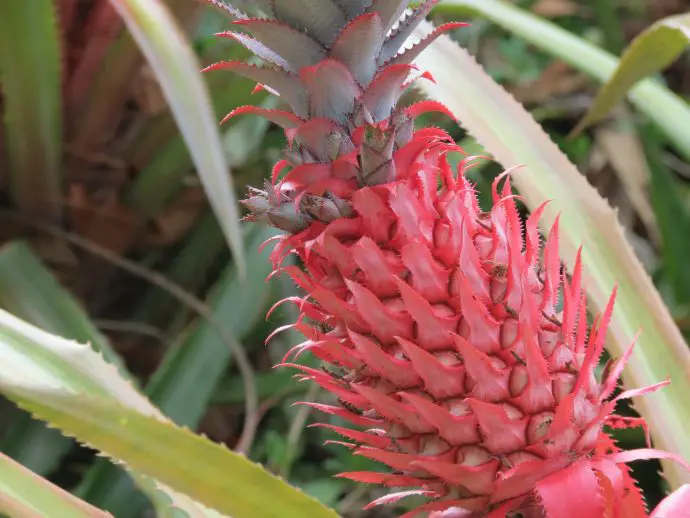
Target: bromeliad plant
[[458, 347], [455, 343]]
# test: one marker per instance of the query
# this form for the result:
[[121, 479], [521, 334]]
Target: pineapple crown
[[338, 65]]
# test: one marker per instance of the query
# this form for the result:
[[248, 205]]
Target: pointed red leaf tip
[[282, 118], [676, 505], [428, 106], [396, 497], [574, 492]]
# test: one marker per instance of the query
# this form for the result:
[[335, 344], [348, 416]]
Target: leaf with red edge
[[402, 32], [385, 90], [332, 90], [287, 85], [409, 55], [282, 118], [574, 492], [423, 107], [358, 45], [396, 497], [295, 46]]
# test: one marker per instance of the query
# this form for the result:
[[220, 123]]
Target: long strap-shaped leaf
[[38, 366], [652, 51], [23, 494], [507, 130], [188, 463], [32, 357], [30, 64], [668, 111], [177, 70]]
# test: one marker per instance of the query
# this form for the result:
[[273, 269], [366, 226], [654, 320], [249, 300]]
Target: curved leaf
[[650, 52], [177, 70], [23, 494], [508, 131], [190, 464], [668, 111], [30, 80]]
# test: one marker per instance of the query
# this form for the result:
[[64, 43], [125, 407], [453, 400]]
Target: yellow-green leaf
[[668, 110], [23, 494], [208, 472], [650, 52], [39, 360], [178, 71]]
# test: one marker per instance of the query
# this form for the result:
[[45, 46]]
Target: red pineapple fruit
[[449, 351]]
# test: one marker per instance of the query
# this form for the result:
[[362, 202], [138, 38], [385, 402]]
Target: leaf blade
[[178, 458], [23, 494], [33, 357], [32, 105], [650, 52], [184, 383], [668, 111], [177, 70]]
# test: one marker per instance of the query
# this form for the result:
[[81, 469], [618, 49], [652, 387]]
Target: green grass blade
[[184, 383], [206, 471], [188, 269], [30, 81], [177, 69], [34, 445], [668, 111], [650, 52], [508, 131], [23, 494], [231, 390], [162, 178], [673, 216]]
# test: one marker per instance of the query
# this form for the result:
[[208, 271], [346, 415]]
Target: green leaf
[[29, 290], [650, 52], [507, 130], [206, 471], [184, 383], [199, 357], [39, 360], [161, 178], [30, 80], [188, 269], [668, 111], [177, 69], [23, 494], [673, 217], [104, 85]]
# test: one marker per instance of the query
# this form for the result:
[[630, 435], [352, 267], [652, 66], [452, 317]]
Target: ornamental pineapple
[[449, 350]]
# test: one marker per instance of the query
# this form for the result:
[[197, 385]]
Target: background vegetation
[[109, 235]]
